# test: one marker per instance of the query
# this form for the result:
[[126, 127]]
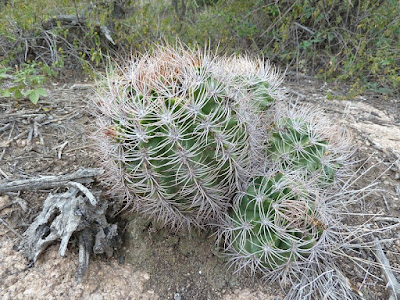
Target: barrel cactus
[[274, 221], [178, 129], [190, 138], [288, 229], [299, 138], [287, 221]]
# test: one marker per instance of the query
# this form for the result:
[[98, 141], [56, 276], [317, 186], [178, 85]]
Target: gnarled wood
[[66, 214]]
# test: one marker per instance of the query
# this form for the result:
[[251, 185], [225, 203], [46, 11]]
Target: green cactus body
[[271, 223], [262, 95], [181, 139], [297, 143]]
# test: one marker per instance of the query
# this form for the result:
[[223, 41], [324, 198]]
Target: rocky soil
[[153, 263]]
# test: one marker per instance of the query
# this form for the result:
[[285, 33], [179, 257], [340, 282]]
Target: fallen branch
[[304, 28], [298, 94], [47, 182], [85, 191], [392, 284], [79, 19], [388, 219]]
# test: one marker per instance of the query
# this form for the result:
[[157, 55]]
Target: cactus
[[178, 129], [288, 220], [300, 139], [273, 222], [284, 227], [181, 133]]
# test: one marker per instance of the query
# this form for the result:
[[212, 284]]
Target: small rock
[[4, 200], [121, 260], [146, 276], [21, 143], [177, 296], [6, 296]]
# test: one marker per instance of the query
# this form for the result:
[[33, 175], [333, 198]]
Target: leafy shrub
[[24, 82], [355, 41]]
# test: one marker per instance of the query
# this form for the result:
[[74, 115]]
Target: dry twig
[[10, 228], [46, 182], [392, 284], [388, 219]]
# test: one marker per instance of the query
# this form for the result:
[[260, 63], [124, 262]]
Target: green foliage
[[353, 41], [23, 82], [344, 40]]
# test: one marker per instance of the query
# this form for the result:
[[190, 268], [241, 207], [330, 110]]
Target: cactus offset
[[288, 220], [299, 139], [273, 222]]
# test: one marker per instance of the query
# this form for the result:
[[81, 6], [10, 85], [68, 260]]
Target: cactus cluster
[[189, 138], [179, 129]]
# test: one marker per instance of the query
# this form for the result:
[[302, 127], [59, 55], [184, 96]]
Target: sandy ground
[[152, 262]]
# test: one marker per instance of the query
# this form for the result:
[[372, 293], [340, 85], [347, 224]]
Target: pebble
[[177, 296], [80, 86], [4, 200], [146, 276], [21, 143]]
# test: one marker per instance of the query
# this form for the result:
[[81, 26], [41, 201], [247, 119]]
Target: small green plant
[[24, 82]]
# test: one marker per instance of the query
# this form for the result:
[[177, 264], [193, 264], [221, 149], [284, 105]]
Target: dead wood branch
[[304, 28], [388, 219], [67, 214], [47, 182], [298, 94], [392, 284], [78, 20], [85, 191]]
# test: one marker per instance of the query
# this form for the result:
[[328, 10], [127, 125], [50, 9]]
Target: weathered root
[[66, 214]]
